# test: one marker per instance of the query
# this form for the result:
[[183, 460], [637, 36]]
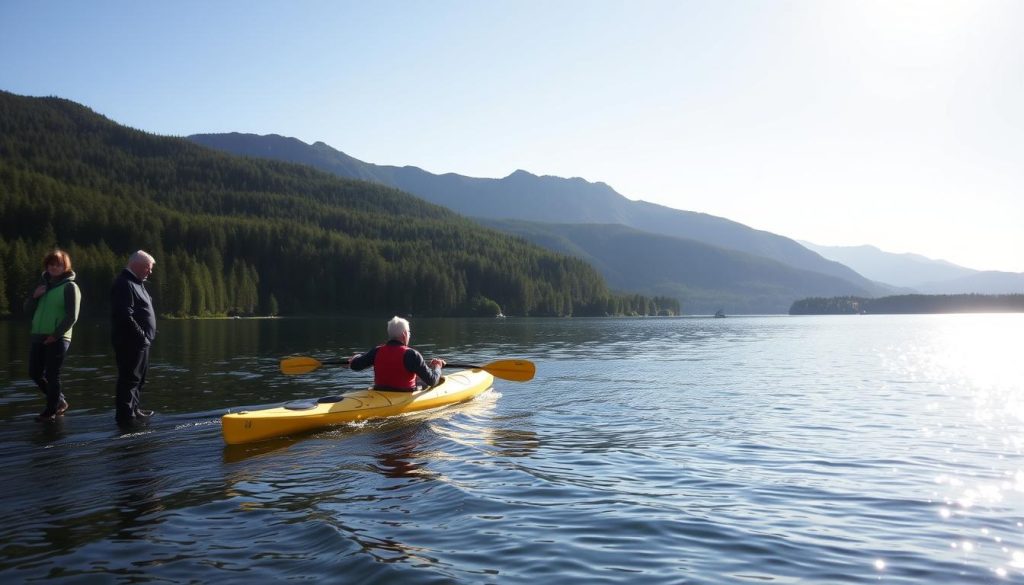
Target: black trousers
[[132, 363], [44, 362]]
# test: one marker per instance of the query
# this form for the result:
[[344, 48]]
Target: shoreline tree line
[[910, 304]]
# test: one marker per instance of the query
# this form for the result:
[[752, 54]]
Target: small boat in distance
[[719, 314]]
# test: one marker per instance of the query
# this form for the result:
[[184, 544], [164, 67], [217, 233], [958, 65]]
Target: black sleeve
[[414, 362], [123, 301], [361, 362]]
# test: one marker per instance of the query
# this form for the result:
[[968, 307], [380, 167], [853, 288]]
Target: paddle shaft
[[346, 362], [515, 370]]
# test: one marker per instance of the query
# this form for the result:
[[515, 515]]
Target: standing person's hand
[[40, 291]]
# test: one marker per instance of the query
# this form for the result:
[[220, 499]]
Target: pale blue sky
[[892, 123]]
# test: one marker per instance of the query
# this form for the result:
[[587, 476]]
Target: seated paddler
[[396, 366]]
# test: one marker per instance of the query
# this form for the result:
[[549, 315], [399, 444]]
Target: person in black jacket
[[132, 333]]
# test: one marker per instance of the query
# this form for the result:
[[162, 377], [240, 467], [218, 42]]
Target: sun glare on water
[[976, 362], [982, 353]]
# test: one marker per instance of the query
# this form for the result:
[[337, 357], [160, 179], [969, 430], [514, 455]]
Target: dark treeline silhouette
[[244, 236], [910, 304]]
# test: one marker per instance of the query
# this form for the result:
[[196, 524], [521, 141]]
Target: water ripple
[[782, 450]]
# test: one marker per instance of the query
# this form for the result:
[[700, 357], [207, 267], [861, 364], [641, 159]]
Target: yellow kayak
[[257, 425]]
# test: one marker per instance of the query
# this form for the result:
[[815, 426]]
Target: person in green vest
[[54, 308]]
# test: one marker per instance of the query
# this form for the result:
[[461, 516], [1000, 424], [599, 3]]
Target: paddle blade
[[304, 364], [299, 365], [514, 370]]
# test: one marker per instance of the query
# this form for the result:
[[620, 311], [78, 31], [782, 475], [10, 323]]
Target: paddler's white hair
[[397, 326]]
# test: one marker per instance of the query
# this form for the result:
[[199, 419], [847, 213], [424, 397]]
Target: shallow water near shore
[[848, 449]]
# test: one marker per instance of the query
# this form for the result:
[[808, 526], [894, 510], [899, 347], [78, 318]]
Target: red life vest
[[389, 368]]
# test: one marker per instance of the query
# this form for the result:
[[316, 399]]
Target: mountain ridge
[[919, 273], [546, 199], [520, 195]]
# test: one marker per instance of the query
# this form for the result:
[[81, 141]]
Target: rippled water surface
[[751, 449]]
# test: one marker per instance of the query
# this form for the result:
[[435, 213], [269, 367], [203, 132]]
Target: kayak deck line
[[257, 425]]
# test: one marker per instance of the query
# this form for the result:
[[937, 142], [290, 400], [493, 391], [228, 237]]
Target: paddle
[[514, 370]]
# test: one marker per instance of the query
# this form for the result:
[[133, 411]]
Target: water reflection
[[238, 453], [399, 456], [513, 442], [50, 433], [136, 483]]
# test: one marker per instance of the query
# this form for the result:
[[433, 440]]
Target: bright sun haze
[[891, 123]]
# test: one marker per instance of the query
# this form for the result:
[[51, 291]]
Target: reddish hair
[[58, 256]]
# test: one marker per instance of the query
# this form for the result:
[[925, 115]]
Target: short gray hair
[[139, 257], [397, 326]]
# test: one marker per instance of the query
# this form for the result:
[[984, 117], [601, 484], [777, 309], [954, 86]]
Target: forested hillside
[[245, 236]]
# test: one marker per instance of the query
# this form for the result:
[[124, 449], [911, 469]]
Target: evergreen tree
[[251, 287], [22, 276], [200, 293], [5, 307], [184, 299], [215, 262]]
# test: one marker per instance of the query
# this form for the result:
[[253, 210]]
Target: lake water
[[858, 449]]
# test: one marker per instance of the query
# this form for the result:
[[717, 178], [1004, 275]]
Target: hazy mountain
[[906, 270], [988, 282], [706, 277], [525, 196], [919, 273]]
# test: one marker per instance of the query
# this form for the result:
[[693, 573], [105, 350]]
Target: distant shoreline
[[217, 317], [910, 305]]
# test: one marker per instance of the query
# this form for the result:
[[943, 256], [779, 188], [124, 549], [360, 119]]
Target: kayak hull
[[258, 425]]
